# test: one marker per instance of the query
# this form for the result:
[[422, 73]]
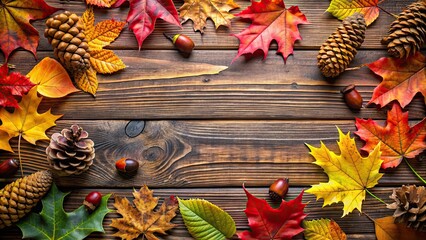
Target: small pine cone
[[408, 32], [66, 35], [409, 206], [19, 197], [341, 46], [71, 151]]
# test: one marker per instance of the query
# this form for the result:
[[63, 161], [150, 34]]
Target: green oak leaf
[[54, 223], [206, 221]]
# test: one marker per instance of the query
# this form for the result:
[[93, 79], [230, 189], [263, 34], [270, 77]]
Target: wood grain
[[207, 153]]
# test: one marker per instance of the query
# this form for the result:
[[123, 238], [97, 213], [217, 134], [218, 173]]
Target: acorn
[[127, 165], [92, 200], [352, 97], [182, 42], [8, 168], [278, 189]]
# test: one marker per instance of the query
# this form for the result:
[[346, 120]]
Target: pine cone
[[71, 151], [19, 197], [66, 35], [409, 206], [341, 47], [408, 32]]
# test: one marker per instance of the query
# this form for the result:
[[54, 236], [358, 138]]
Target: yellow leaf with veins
[[324, 229]]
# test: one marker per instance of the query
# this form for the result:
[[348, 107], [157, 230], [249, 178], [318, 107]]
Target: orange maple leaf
[[271, 21], [398, 139]]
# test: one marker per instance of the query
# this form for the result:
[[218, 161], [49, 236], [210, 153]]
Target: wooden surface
[[204, 136]]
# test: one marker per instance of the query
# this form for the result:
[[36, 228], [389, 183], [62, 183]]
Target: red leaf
[[15, 28], [270, 21], [402, 79], [144, 13], [13, 85], [270, 223], [398, 139]]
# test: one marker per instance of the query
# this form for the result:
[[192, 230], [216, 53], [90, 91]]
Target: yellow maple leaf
[[199, 10], [26, 121], [349, 173], [142, 219], [323, 229]]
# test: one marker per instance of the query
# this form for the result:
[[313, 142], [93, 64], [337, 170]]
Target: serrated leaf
[[12, 85], [349, 173], [51, 78], [88, 21], [54, 223], [101, 3], [26, 121], [386, 229], [206, 221], [324, 229], [87, 80], [105, 61], [345, 8]]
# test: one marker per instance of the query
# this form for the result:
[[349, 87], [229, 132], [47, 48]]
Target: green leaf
[[345, 8], [54, 223], [206, 221]]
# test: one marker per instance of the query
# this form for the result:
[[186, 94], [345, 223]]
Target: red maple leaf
[[13, 85], [398, 139], [144, 13], [15, 28], [402, 79], [273, 223], [270, 21]]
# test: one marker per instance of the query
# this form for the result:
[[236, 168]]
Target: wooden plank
[[246, 90], [322, 25], [233, 200], [206, 153]]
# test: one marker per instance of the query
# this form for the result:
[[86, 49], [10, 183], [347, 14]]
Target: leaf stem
[[368, 216], [374, 196], [414, 171], [384, 10], [355, 68], [19, 154]]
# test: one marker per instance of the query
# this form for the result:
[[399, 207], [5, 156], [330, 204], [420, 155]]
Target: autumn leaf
[[12, 85], [349, 173], [324, 229], [402, 79], [51, 78], [270, 21], [200, 10], [206, 221], [101, 3], [15, 27], [345, 8], [397, 139], [105, 61], [386, 229], [142, 219], [144, 13], [270, 223], [26, 121], [87, 81]]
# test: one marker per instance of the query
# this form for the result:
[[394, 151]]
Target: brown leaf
[[386, 229], [141, 218]]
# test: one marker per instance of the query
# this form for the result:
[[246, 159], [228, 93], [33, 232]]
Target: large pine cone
[[409, 206], [66, 34], [408, 32], [19, 197], [341, 46], [71, 151]]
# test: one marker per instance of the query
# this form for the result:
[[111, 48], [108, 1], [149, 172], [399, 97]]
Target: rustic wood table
[[204, 136]]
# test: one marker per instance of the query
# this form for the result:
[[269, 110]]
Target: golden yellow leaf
[[87, 81], [88, 21], [199, 10], [323, 229], [51, 78], [386, 229], [105, 61], [26, 121], [349, 173], [101, 3]]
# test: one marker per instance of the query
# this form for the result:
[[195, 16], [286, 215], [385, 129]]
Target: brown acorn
[[8, 168], [352, 97], [182, 42], [92, 200], [127, 165], [279, 189]]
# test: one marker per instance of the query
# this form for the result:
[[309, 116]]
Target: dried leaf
[[142, 219], [324, 229], [12, 85], [349, 174], [200, 10], [15, 28], [386, 229], [271, 20], [26, 121], [87, 81], [345, 8], [51, 78], [101, 3], [105, 61], [397, 139]]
